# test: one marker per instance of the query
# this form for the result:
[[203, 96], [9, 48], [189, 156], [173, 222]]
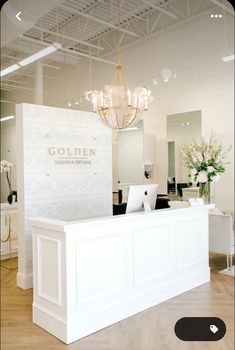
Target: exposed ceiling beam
[[6, 101], [161, 9], [89, 56], [77, 53], [11, 57], [97, 20], [9, 86], [13, 81], [222, 6], [69, 38], [51, 66], [22, 74], [156, 22]]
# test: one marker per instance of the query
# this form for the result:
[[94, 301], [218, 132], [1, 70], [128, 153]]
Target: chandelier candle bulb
[[129, 97], [146, 104], [101, 99]]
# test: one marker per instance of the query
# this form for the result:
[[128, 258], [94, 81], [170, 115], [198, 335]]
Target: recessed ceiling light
[[188, 123], [76, 103], [228, 58], [182, 124], [69, 104]]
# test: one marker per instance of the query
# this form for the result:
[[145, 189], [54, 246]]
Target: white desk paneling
[[118, 266]]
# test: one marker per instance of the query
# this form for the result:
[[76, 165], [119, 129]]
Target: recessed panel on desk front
[[101, 267], [153, 252], [190, 243], [49, 264]]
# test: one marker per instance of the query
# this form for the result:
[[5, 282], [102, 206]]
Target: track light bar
[[7, 118], [228, 58], [47, 51], [9, 70]]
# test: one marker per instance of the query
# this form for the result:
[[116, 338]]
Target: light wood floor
[[152, 329]]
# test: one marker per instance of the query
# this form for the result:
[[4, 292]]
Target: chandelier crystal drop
[[118, 106]]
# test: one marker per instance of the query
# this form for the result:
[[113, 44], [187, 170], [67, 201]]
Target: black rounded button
[[200, 328]]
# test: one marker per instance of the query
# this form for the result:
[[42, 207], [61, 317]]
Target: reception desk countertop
[[89, 274]]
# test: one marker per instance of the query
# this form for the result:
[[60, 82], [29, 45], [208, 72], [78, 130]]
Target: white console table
[[90, 274], [8, 214]]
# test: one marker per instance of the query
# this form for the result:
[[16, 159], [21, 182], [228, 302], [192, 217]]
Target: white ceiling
[[88, 28]]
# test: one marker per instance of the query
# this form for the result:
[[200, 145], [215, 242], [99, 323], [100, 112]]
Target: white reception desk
[[90, 274]]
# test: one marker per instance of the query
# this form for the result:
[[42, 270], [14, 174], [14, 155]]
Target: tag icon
[[213, 328]]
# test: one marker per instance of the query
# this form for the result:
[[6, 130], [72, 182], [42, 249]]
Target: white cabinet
[[8, 215]]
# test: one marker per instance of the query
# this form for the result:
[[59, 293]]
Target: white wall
[[80, 187]]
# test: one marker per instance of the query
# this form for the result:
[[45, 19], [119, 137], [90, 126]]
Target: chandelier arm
[[133, 119]]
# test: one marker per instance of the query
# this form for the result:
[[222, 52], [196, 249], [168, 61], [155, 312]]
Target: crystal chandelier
[[118, 106]]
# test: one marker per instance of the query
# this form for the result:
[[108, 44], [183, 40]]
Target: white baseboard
[[24, 281], [74, 329]]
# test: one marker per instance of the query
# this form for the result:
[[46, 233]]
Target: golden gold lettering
[[92, 151], [77, 151], [85, 151], [61, 151], [51, 150], [68, 151]]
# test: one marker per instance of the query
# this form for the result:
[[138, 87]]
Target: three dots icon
[[216, 16]]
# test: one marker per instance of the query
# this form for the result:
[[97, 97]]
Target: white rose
[[216, 178], [202, 176], [210, 169]]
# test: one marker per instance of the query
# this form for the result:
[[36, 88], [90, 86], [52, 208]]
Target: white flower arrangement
[[6, 168], [206, 161]]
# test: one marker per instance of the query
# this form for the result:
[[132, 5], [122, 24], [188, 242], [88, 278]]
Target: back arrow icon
[[18, 16]]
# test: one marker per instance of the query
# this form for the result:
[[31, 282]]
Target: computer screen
[[141, 197]]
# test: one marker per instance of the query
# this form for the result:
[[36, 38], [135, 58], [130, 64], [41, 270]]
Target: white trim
[[24, 281]]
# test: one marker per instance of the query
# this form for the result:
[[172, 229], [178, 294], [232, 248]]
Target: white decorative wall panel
[[64, 168]]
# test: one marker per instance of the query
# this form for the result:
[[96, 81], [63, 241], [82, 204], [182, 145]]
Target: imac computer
[[141, 198]]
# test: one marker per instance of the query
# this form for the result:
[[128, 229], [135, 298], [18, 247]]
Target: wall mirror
[[128, 155], [182, 128]]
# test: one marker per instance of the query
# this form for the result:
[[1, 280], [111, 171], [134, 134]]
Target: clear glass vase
[[205, 191]]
